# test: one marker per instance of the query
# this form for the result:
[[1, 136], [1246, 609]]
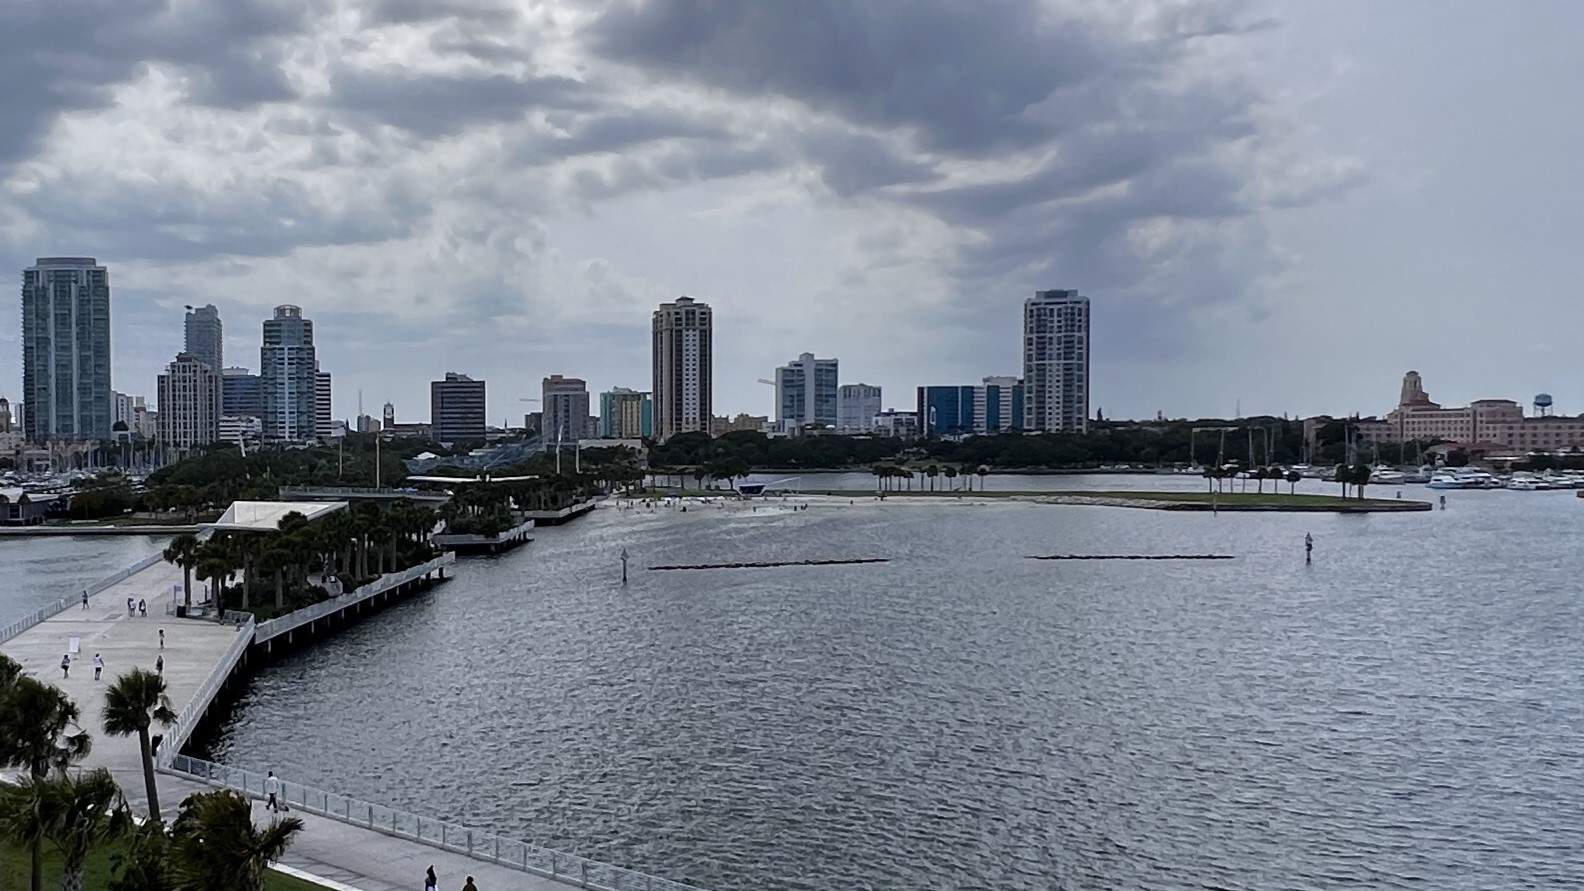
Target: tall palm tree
[[133, 703], [183, 551], [275, 561], [214, 843], [982, 472], [39, 732], [75, 813], [932, 472], [951, 474]]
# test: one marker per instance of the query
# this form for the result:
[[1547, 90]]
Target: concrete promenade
[[357, 858]]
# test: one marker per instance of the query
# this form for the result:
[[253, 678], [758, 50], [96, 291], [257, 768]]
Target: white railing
[[297, 618], [452, 539], [490, 847], [45, 612], [187, 719]]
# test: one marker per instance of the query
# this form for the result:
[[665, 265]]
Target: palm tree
[[1361, 477], [141, 864], [932, 472], [183, 551], [951, 474], [1344, 475], [214, 843], [74, 812], [132, 704], [1293, 477], [275, 561], [982, 472], [37, 721]]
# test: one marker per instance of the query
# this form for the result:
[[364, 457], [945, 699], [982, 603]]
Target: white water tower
[[1542, 404]]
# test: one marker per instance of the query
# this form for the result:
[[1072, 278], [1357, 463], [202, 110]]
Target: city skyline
[[1285, 183]]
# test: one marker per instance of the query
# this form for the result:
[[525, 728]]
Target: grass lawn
[[14, 872]]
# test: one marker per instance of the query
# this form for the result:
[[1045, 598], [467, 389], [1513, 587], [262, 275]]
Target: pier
[[469, 543], [362, 846]]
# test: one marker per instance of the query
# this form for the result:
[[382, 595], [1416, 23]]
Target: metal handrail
[[187, 719], [490, 847], [45, 612], [297, 618]]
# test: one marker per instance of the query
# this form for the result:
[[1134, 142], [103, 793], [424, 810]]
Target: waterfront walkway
[[352, 856]]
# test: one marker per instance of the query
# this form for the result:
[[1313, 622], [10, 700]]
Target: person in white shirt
[[272, 789], [98, 665]]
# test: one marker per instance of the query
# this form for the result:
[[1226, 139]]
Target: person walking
[[468, 885], [159, 665], [65, 666], [272, 789], [1308, 548], [85, 598], [98, 665], [131, 607], [162, 638], [142, 607], [430, 882]]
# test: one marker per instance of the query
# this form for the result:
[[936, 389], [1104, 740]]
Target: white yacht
[[1386, 476], [1523, 482]]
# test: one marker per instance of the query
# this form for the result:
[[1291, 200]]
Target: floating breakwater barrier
[[771, 564], [1132, 557]]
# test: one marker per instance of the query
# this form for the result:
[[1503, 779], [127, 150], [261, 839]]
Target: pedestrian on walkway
[[430, 882], [65, 666], [142, 607], [162, 638], [272, 789], [85, 598], [1308, 548], [98, 665], [131, 607], [159, 665], [468, 885]]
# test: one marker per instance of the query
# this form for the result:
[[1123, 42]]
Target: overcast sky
[[1283, 204]]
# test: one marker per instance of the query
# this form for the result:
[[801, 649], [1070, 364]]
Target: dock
[[361, 845]]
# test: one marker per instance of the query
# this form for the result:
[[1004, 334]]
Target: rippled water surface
[[39, 570], [1403, 713]]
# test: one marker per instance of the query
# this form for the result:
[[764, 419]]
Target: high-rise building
[[287, 383], [994, 406], [806, 393], [946, 411], [241, 394], [5, 415], [204, 336], [323, 425], [566, 408], [1056, 362], [998, 405], [683, 376], [456, 408], [856, 407], [626, 414], [389, 417], [66, 349], [189, 403]]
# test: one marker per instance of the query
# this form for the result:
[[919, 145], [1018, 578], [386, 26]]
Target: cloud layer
[[507, 189]]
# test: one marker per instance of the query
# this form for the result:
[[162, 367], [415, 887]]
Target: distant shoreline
[[1168, 501]]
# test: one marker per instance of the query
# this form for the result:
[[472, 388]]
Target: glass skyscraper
[[66, 350], [287, 376]]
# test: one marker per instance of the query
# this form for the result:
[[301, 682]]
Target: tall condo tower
[[66, 350], [288, 376], [683, 334], [1056, 362]]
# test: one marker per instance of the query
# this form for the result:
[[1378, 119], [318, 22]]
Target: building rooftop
[[265, 516]]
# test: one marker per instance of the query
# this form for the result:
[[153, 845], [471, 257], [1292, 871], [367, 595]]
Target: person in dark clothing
[[468, 885], [430, 882]]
